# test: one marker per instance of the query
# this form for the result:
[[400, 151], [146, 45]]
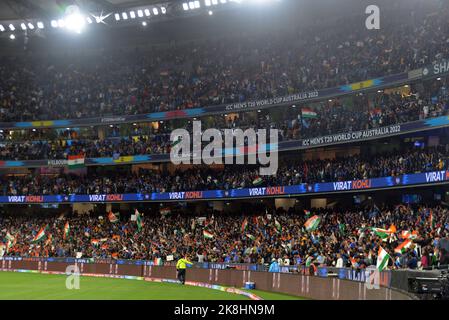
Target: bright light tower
[[74, 20]]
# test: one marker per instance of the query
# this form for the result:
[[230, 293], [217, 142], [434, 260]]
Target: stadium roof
[[26, 9]]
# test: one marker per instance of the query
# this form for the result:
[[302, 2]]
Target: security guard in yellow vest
[[181, 266]]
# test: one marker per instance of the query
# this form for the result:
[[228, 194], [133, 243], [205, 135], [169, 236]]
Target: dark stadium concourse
[[255, 149]]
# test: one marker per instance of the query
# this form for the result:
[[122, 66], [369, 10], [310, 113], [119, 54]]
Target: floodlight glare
[[75, 22], [197, 4], [132, 14], [147, 12], [89, 20], [210, 12], [185, 6], [223, 1], [30, 25], [144, 23], [207, 3], [11, 27], [117, 17], [164, 10], [155, 11], [124, 15], [61, 23], [191, 5], [214, 2], [12, 37], [2, 28], [54, 23], [23, 26], [140, 13], [40, 25]]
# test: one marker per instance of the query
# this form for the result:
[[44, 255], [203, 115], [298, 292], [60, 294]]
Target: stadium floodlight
[[124, 15], [207, 3], [89, 20], [30, 25], [40, 25], [54, 23], [23, 26], [132, 14], [185, 6], [12, 36], [140, 13], [197, 4], [191, 5], [2, 28], [61, 23], [75, 22], [223, 1], [11, 27], [144, 23], [117, 17], [155, 11], [210, 12], [214, 2], [147, 12], [163, 10]]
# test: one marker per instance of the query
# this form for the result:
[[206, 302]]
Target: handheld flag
[[40, 235], [207, 234], [382, 259], [112, 217], [312, 223], [66, 230]]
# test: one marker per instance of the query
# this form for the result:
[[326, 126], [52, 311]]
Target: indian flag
[[112, 217], [207, 234], [258, 181], [66, 230], [251, 236], [307, 212], [9, 237], [95, 242], [308, 113], [382, 259], [312, 223], [382, 233], [244, 224], [403, 246], [40, 235], [76, 161], [278, 225], [138, 220], [406, 234]]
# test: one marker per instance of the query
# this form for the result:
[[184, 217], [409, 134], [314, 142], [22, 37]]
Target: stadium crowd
[[211, 72], [290, 172], [342, 238], [331, 117]]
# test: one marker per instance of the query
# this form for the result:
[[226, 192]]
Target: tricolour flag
[[406, 234], [382, 259], [258, 181], [66, 230], [9, 237], [278, 225], [40, 235], [95, 242], [307, 212], [382, 233], [165, 211], [251, 236], [403, 246], [312, 223], [207, 234], [308, 113], [244, 224], [138, 220], [112, 217], [76, 161]]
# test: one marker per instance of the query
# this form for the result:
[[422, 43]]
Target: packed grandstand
[[363, 150]]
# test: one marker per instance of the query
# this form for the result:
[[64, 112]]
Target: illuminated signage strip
[[296, 98], [427, 178]]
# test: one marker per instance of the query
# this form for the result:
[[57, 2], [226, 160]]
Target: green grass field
[[33, 286]]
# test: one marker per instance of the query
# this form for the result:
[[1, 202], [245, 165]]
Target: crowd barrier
[[313, 287]]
